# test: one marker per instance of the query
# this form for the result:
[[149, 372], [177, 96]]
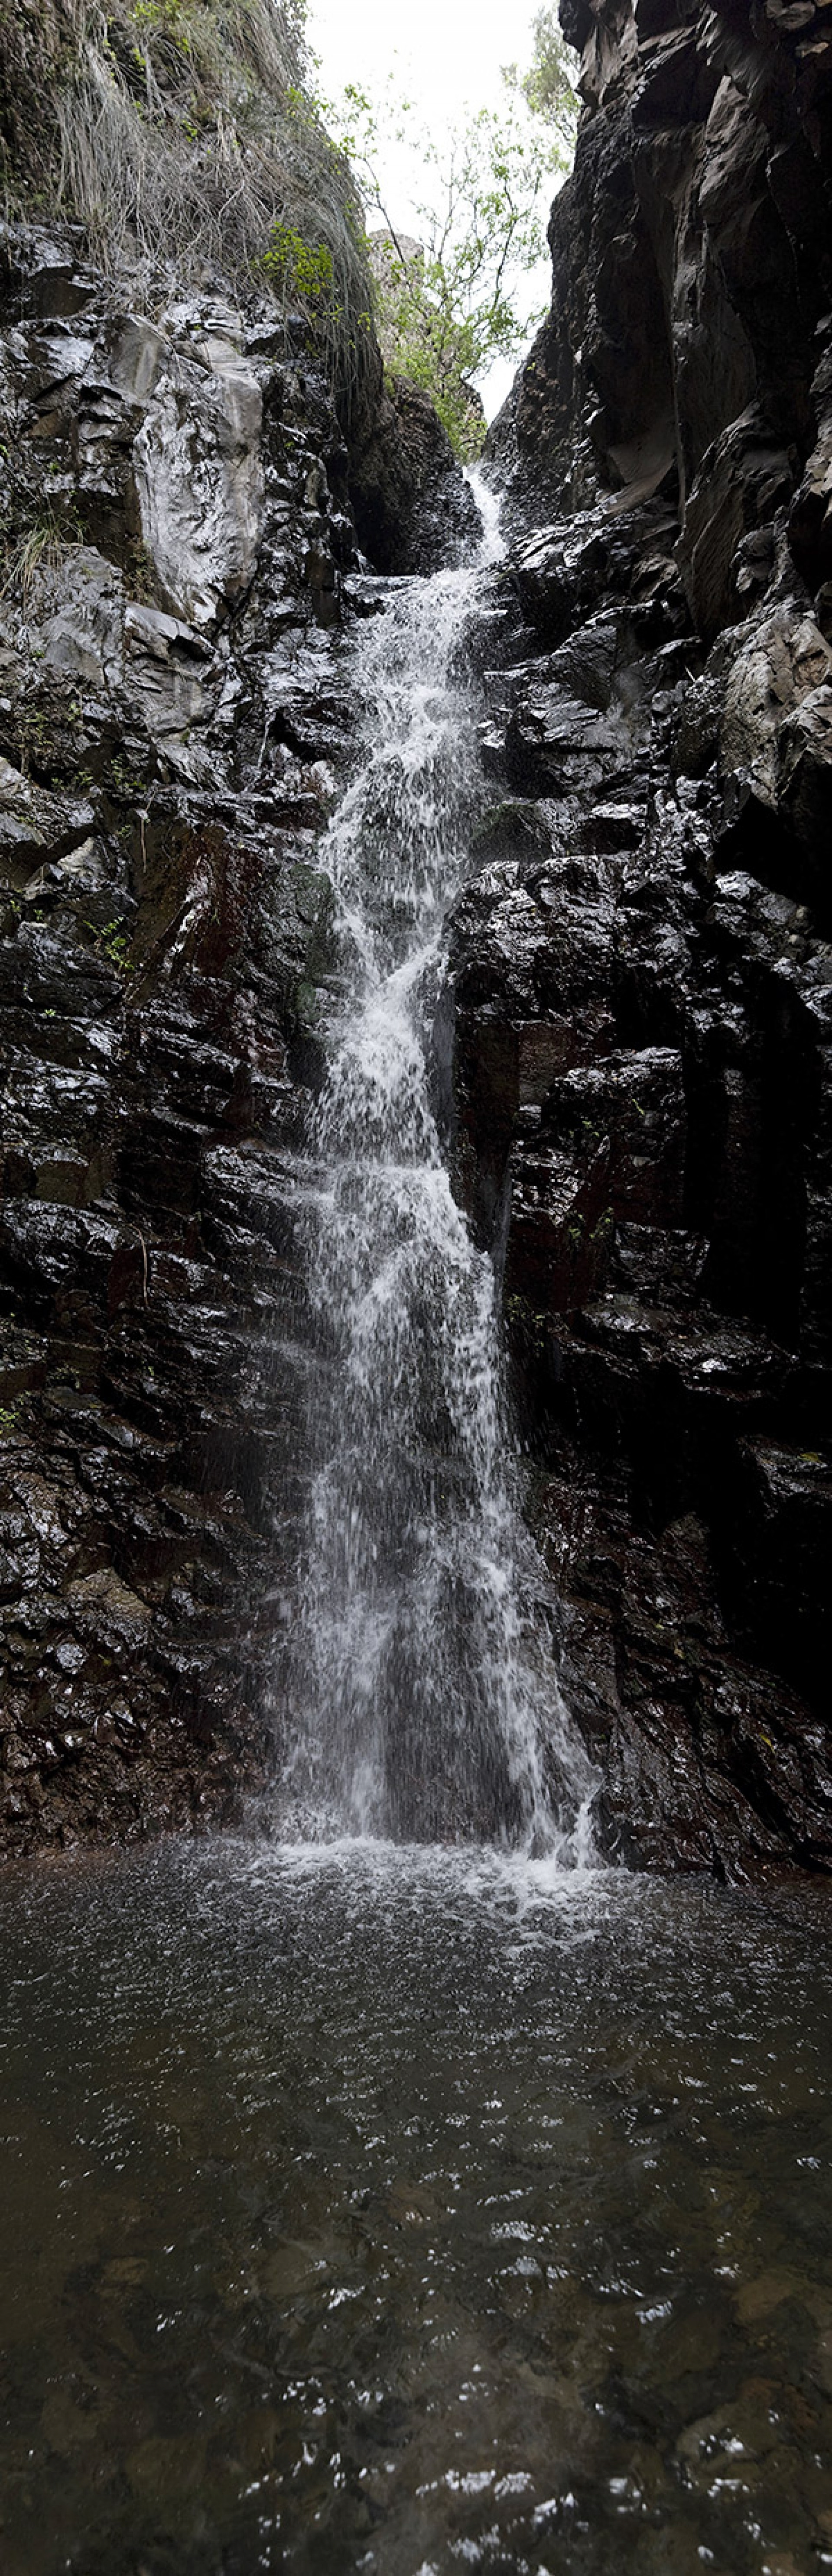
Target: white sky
[[444, 55]]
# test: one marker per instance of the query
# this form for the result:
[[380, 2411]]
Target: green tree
[[446, 304], [547, 85]]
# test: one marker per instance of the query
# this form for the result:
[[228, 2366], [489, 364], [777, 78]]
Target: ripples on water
[[412, 2212]]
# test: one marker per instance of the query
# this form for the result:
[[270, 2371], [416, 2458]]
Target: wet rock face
[[180, 568], [642, 960], [413, 510]]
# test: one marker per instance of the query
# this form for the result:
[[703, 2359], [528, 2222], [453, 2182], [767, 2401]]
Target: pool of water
[[412, 2212]]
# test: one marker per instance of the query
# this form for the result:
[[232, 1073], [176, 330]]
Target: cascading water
[[424, 1703]]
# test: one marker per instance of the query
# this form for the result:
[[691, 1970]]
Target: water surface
[[412, 2211]]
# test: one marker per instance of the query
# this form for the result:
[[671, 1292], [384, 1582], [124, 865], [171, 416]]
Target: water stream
[[425, 1699]]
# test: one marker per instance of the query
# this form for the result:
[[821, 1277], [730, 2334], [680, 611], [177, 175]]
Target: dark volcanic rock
[[181, 561], [168, 726], [413, 509], [642, 971]]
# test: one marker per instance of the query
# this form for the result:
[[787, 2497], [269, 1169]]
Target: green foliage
[[112, 943], [424, 339], [527, 1323], [160, 17], [181, 137], [447, 304], [122, 785], [299, 269], [547, 85]]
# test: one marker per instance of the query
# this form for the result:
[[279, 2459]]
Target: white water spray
[[424, 1704]]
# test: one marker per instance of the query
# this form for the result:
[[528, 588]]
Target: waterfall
[[424, 1704]]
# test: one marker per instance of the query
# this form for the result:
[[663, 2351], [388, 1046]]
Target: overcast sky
[[450, 51], [444, 54]]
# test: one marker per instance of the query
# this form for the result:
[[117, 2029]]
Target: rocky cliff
[[642, 976], [643, 968], [191, 461]]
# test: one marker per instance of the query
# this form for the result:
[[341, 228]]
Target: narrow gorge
[[415, 1223], [631, 1043]]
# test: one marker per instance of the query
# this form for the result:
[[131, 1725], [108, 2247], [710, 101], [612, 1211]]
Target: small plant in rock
[[39, 552], [116, 947], [122, 785], [8, 1420], [141, 572], [33, 742], [112, 943], [527, 1326]]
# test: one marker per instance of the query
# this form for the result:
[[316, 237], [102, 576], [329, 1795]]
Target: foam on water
[[424, 1703]]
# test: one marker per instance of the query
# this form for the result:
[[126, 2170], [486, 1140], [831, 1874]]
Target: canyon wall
[[188, 481], [635, 1042], [643, 968]]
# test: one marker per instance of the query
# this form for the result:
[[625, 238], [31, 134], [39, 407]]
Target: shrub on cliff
[[179, 133]]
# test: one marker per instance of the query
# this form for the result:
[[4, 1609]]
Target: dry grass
[[36, 556], [179, 134]]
